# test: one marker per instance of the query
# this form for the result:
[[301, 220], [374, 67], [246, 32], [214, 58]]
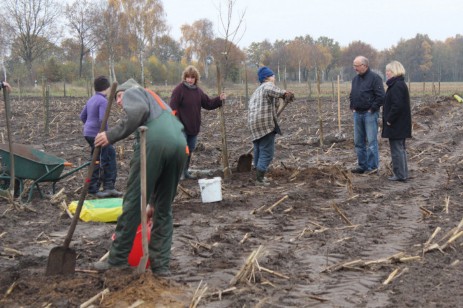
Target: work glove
[[289, 97], [149, 211]]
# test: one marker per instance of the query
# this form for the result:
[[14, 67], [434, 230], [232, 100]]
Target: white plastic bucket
[[211, 189]]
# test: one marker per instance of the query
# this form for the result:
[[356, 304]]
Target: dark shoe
[[114, 193], [358, 170], [262, 183], [102, 266], [261, 180], [103, 194], [92, 195], [394, 178], [187, 175]]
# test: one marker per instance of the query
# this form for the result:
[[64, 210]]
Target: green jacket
[[139, 106]]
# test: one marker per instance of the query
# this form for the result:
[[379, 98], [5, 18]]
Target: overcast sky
[[380, 23]]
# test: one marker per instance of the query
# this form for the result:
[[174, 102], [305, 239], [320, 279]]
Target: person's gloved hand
[[289, 97], [149, 211]]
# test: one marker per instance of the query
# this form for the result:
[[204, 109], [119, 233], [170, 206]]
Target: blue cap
[[263, 73]]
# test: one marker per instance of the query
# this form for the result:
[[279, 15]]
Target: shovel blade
[[61, 261], [142, 265], [244, 163]]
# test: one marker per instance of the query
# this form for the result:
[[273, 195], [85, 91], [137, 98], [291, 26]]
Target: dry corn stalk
[[95, 298], [450, 236], [343, 216], [199, 293], [394, 275], [58, 197], [247, 271], [359, 263]]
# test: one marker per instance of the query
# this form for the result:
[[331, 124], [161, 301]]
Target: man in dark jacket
[[166, 154], [366, 99]]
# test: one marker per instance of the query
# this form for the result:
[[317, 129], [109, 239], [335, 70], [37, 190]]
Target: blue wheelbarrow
[[32, 164]]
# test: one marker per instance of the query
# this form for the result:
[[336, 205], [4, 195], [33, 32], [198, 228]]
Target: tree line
[[46, 40]]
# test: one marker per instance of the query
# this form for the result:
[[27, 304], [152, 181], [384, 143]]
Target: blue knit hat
[[263, 73]]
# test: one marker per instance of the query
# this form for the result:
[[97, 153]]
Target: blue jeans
[[366, 139], [264, 149], [399, 158], [191, 142], [106, 171]]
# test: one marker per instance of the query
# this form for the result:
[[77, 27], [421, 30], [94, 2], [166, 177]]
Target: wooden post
[[332, 88], [339, 106], [46, 110], [310, 88], [246, 84], [320, 120], [19, 89]]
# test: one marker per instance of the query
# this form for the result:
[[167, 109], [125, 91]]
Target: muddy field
[[319, 236]]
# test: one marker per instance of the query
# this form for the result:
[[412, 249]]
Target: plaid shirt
[[262, 117]]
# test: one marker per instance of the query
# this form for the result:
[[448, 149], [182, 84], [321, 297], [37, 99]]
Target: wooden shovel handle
[[143, 130], [96, 153], [6, 98], [144, 227]]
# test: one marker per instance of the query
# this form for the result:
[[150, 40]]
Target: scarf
[[189, 85], [392, 80]]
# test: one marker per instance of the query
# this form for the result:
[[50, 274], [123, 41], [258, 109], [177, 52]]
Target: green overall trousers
[[165, 158]]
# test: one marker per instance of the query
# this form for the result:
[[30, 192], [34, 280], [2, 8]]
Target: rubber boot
[[186, 174], [260, 179]]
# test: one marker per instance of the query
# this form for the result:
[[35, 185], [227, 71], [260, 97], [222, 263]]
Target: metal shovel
[[144, 228], [62, 259]]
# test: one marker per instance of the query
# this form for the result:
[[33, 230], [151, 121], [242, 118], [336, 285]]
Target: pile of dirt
[[325, 236]]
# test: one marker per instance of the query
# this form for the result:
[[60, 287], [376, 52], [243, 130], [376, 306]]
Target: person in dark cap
[[105, 173], [166, 154], [263, 122], [263, 73]]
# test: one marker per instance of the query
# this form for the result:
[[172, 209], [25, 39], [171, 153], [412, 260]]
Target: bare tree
[[321, 58], [197, 39], [34, 27], [259, 53], [108, 22], [79, 18], [298, 50], [5, 45], [145, 20], [231, 34]]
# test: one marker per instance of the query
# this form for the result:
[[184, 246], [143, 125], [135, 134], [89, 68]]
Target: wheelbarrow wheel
[[5, 185]]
